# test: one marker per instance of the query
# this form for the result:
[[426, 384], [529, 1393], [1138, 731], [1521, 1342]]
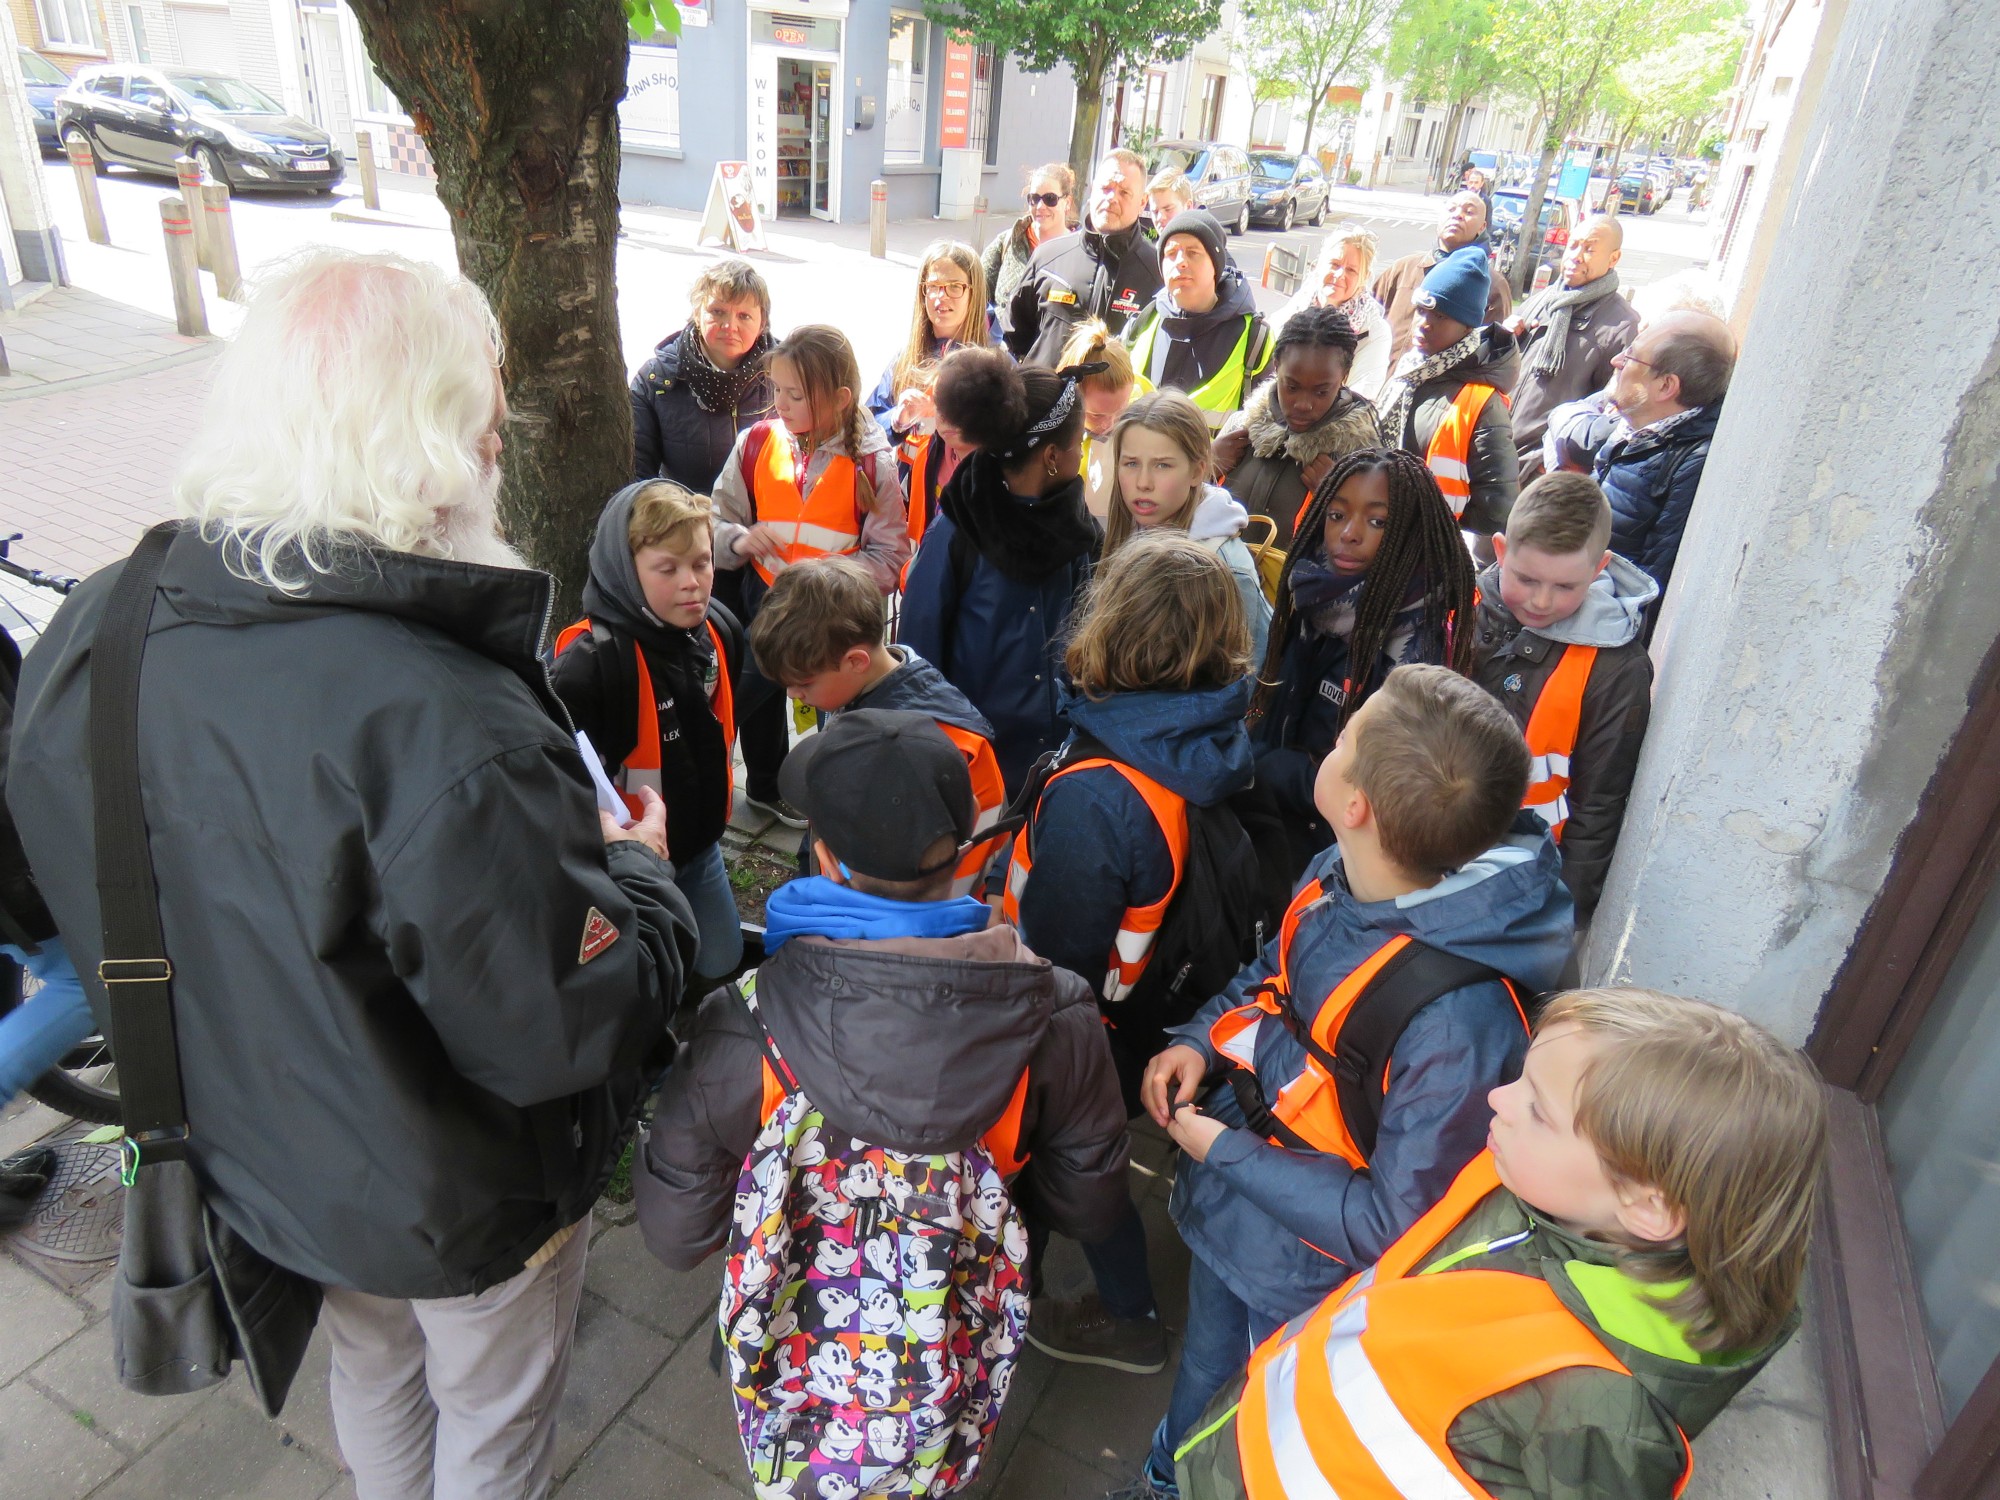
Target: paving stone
[[629, 1465], [223, 1452], [80, 1376], [47, 1452], [1104, 1418], [1022, 1415], [1039, 1472], [36, 1317], [308, 1414], [627, 1275], [612, 1360], [688, 1407]]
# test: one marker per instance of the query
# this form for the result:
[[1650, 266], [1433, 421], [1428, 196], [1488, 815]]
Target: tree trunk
[[1083, 127], [1454, 122], [1312, 114], [1524, 258], [517, 102]]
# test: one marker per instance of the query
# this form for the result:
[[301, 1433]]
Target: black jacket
[[1191, 349], [672, 436], [598, 680], [915, 1044], [408, 1046], [1494, 471], [1076, 277], [24, 917], [1650, 480]]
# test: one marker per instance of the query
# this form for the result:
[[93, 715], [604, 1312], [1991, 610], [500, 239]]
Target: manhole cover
[[82, 1210]]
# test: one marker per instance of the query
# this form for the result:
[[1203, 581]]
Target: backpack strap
[[964, 560], [745, 990], [758, 434]]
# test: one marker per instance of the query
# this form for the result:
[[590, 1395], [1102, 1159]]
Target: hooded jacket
[[1218, 520], [1191, 349], [1270, 478], [408, 1055], [1098, 848], [1514, 664], [917, 687], [1495, 473], [1650, 479], [1076, 277], [885, 529], [1576, 1434], [671, 435], [1253, 1211], [1397, 287], [915, 1044], [598, 682]]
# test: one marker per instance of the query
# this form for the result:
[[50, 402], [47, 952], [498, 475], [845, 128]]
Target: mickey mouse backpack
[[873, 1303]]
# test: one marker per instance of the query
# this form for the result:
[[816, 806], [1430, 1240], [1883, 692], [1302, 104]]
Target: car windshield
[[1190, 161], [224, 95], [38, 69], [1274, 168]]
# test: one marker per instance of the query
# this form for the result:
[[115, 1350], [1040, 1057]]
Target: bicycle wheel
[[84, 1085]]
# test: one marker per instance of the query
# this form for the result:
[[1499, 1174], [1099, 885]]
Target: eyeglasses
[[1626, 357], [1047, 200], [953, 289]]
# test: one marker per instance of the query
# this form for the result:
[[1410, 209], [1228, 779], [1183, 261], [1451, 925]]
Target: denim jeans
[[1117, 1264], [36, 1033], [704, 880], [1222, 1329]]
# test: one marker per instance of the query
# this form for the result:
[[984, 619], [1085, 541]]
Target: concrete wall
[[1835, 594]]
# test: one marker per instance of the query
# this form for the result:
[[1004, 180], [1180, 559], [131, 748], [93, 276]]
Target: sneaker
[[22, 1178], [778, 808], [1083, 1333], [1143, 1488]]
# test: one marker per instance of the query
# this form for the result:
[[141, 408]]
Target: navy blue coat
[[1255, 1212], [672, 436], [1650, 481], [999, 642]]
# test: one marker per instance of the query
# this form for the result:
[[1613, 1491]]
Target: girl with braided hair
[[1379, 578]]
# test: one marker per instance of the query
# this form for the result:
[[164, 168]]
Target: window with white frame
[[909, 82], [67, 23]]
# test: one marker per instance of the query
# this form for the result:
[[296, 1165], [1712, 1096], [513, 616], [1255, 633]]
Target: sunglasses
[[1047, 200]]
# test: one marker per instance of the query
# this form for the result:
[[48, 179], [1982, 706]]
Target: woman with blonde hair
[[1051, 195], [950, 314], [1340, 278], [1105, 394], [705, 382]]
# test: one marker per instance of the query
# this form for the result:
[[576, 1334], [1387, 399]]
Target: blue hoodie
[[1098, 849], [1253, 1211]]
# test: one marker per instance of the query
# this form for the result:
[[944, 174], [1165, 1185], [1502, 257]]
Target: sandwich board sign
[[730, 217]]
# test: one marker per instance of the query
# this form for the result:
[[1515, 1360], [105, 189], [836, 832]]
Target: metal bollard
[[189, 314], [188, 172], [84, 161], [1544, 274], [219, 230], [364, 166], [979, 211], [878, 219]]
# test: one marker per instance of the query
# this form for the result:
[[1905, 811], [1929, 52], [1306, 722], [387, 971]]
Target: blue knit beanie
[[1459, 285]]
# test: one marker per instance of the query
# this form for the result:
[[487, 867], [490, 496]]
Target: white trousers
[[455, 1398]]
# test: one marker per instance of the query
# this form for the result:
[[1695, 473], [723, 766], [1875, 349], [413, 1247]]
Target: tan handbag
[[1267, 554]]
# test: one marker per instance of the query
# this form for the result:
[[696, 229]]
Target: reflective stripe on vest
[[821, 524], [1308, 1103], [1356, 1400], [1002, 1139], [1140, 925], [1551, 735], [989, 797], [1450, 452], [1222, 393], [641, 768]]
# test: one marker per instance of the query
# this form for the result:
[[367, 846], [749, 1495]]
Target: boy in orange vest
[[1561, 642], [649, 675], [1349, 1065], [1594, 1289], [819, 635]]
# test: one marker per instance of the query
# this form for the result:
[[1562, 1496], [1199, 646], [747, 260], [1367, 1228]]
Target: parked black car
[[145, 117], [45, 80], [1219, 174], [1286, 189], [1558, 219], [1637, 193]]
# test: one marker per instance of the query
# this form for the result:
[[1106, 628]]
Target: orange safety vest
[[989, 796], [824, 523], [1551, 736], [1002, 1139], [1357, 1398], [1309, 1104], [642, 766], [1450, 452], [1140, 925]]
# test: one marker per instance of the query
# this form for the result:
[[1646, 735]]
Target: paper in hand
[[608, 799]]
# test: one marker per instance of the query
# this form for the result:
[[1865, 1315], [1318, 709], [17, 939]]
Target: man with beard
[[1203, 333], [1463, 223], [419, 983], [1107, 270], [1569, 334]]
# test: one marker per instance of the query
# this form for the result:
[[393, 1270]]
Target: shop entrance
[[805, 138]]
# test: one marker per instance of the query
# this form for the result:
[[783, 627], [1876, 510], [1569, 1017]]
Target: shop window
[[380, 100], [67, 23], [981, 136], [908, 88]]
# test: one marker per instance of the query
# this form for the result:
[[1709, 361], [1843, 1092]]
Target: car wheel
[[76, 133], [1243, 220], [1319, 214], [211, 165], [1288, 218]]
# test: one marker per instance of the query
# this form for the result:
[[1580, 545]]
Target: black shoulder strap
[[1360, 1062], [964, 560], [135, 972]]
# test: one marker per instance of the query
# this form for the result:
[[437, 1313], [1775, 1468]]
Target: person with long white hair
[[419, 981]]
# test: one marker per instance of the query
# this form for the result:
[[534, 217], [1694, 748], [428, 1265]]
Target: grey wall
[[714, 64], [1837, 588]]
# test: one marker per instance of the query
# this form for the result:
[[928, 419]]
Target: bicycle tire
[[64, 1091]]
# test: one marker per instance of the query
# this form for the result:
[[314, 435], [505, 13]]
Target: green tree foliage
[[1673, 93], [1441, 49], [1299, 49], [1098, 40]]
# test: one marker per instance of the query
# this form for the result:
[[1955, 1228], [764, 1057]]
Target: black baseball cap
[[880, 787]]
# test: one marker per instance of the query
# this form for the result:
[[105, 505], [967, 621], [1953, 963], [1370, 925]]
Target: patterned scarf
[[718, 389], [1554, 307], [1415, 370]]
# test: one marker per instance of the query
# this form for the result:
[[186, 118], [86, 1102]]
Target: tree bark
[[1454, 121], [517, 102], [1525, 259], [1083, 126]]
